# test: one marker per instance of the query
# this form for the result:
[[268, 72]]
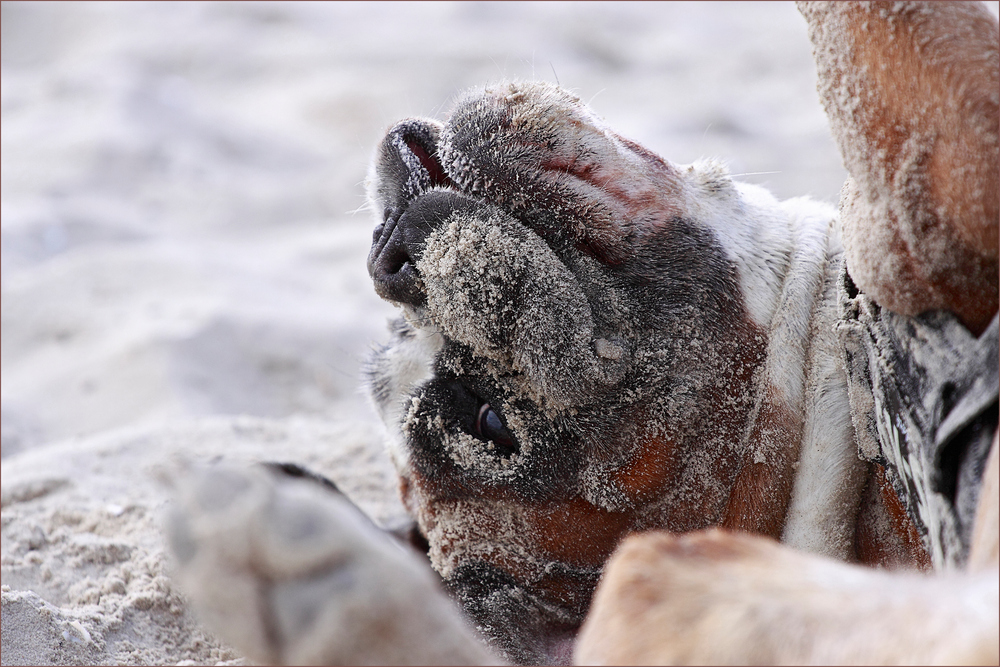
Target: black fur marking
[[544, 468], [513, 620], [298, 472]]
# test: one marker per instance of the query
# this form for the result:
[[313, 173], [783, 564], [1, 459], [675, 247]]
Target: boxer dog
[[595, 342]]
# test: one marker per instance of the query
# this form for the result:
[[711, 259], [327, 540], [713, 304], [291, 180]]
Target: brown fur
[[920, 227], [761, 491], [885, 534]]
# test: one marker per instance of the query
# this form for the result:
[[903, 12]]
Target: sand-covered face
[[571, 335]]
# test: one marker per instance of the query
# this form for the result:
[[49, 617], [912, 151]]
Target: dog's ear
[[911, 92]]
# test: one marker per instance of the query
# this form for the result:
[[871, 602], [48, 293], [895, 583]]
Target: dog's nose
[[398, 244], [391, 265]]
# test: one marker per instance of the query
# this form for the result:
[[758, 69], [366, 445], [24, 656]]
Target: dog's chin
[[520, 625]]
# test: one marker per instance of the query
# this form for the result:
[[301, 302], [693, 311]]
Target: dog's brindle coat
[[597, 342]]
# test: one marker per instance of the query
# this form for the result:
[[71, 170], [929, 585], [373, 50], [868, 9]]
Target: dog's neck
[[781, 251], [785, 254], [768, 241]]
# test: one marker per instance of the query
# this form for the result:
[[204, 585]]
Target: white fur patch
[[402, 365], [830, 474], [753, 229]]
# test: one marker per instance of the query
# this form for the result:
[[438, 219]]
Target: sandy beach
[[184, 235]]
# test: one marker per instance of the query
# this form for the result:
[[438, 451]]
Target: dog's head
[[576, 355]]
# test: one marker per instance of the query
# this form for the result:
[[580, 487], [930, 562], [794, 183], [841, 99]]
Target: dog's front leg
[[910, 89], [285, 568]]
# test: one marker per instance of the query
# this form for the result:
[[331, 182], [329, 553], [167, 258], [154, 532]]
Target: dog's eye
[[489, 427]]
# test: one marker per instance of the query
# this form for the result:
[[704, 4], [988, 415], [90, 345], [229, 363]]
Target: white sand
[[183, 256], [85, 577]]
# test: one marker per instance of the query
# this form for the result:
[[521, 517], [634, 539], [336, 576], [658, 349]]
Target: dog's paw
[[289, 571], [721, 598]]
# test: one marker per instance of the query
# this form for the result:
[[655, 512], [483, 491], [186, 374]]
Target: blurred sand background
[[184, 236]]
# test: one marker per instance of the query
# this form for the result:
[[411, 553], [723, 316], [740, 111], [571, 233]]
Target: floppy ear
[[911, 92]]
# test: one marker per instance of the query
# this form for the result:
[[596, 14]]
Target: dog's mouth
[[409, 168]]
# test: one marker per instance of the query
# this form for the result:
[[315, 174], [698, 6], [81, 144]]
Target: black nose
[[406, 168], [398, 243], [391, 265]]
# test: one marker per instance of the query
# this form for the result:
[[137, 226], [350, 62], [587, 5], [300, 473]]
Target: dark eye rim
[[496, 432]]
